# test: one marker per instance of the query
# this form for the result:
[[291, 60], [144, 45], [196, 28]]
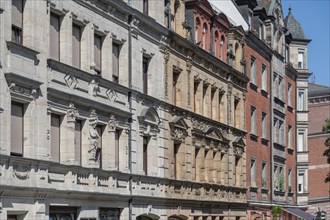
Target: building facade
[[318, 169], [96, 120], [296, 54]]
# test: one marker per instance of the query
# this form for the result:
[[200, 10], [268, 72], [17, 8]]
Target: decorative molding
[[179, 129], [72, 113], [22, 88], [71, 81]]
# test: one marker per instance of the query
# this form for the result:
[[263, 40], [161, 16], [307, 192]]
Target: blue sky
[[313, 15]]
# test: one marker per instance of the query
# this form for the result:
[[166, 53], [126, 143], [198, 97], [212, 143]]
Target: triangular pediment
[[179, 122], [214, 133], [239, 142]]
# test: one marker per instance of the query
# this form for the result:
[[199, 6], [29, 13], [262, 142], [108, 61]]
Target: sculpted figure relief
[[94, 137]]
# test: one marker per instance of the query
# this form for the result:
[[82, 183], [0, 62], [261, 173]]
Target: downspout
[[130, 205], [271, 129]]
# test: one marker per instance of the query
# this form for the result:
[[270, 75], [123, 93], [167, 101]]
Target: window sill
[[264, 93], [253, 86], [264, 190], [253, 189], [264, 141], [279, 101], [279, 192], [15, 48], [290, 109], [253, 137], [290, 150]]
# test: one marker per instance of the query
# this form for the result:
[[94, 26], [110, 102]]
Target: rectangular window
[[17, 129], [253, 70], [117, 140], [281, 133], [205, 107], [281, 87], [100, 129], [175, 89], [253, 120], [145, 66], [55, 137], [145, 7], [175, 161], [145, 155], [115, 63], [54, 34], [264, 125], [300, 59], [17, 21], [77, 140], [289, 94], [301, 183], [98, 53], [264, 175], [290, 178], [253, 173], [301, 137], [301, 100], [236, 121], [264, 78], [76, 45], [290, 137]]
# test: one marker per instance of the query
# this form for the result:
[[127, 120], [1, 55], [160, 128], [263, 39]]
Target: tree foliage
[[326, 129]]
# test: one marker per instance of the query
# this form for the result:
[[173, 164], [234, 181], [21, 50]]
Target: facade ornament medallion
[[71, 81]]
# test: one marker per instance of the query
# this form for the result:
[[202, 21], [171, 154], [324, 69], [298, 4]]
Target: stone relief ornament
[[94, 137], [72, 113], [238, 151]]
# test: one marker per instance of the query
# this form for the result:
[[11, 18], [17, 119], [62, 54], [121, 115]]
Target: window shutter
[[17, 13], [17, 128], [54, 36]]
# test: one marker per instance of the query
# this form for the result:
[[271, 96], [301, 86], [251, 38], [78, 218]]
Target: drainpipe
[[130, 205], [271, 128]]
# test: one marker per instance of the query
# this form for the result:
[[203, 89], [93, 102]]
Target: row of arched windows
[[204, 35]]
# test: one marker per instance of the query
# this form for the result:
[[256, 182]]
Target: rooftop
[[294, 27], [317, 90]]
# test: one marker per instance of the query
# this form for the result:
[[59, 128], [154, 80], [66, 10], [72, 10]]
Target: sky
[[313, 15]]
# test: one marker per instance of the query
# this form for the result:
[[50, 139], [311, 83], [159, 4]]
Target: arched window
[[222, 48], [197, 25], [204, 32], [216, 40]]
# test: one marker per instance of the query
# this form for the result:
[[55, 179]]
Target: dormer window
[[261, 30], [250, 17]]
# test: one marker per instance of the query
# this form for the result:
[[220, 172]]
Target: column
[[106, 57], [66, 39], [207, 100], [67, 144], [198, 97], [109, 147], [215, 104], [216, 166], [87, 47]]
